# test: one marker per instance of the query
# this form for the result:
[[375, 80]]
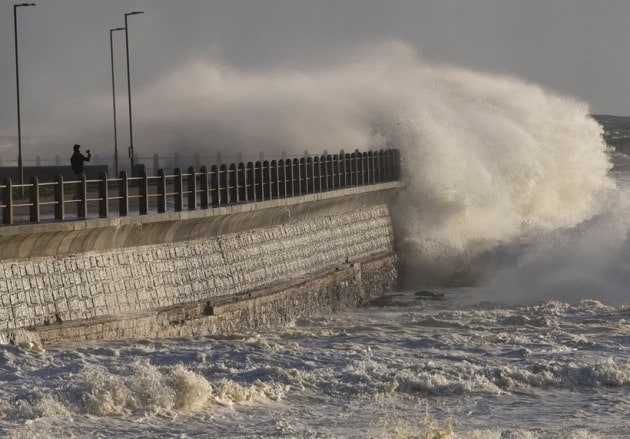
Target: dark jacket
[[78, 162]]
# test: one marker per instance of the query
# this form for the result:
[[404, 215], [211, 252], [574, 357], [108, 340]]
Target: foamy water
[[406, 368]]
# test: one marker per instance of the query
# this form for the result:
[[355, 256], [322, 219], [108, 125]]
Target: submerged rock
[[430, 295]]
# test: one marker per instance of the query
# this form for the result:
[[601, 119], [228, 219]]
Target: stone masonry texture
[[43, 291]]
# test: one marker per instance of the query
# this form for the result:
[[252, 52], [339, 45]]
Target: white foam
[[153, 389], [489, 158]]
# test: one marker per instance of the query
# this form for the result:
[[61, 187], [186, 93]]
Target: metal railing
[[216, 186]]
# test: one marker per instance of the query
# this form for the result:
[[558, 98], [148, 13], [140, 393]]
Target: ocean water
[[514, 216], [408, 366]]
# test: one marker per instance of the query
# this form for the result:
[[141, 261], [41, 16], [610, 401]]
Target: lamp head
[[135, 13], [23, 4]]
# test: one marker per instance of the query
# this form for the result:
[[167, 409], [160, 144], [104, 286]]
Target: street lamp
[[111, 48], [129, 88], [17, 83]]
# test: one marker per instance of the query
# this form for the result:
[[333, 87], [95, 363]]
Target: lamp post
[[111, 49], [129, 88], [17, 83]]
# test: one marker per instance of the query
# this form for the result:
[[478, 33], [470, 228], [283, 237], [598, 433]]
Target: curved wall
[[55, 276]]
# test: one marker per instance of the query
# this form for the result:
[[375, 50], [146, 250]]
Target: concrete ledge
[[66, 238]]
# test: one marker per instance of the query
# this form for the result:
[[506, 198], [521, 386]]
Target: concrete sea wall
[[195, 273]]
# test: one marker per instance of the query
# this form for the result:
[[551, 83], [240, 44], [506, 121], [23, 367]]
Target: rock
[[430, 295]]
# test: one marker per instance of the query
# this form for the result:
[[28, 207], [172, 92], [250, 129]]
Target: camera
[[87, 150]]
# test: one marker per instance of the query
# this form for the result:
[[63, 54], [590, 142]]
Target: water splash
[[491, 160], [150, 389]]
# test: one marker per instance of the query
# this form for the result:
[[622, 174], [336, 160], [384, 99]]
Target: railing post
[[355, 168], [295, 177], [214, 185], [232, 184], [223, 184], [397, 155], [179, 190], [273, 171], [375, 166], [7, 201], [318, 162], [288, 178], [386, 165], [156, 163], [310, 176], [204, 198], [378, 163], [342, 169], [350, 169], [251, 182], [192, 187], [241, 182], [34, 200], [161, 198], [395, 164], [361, 167], [103, 196], [292, 175], [258, 181], [303, 177], [282, 179], [355, 161], [330, 185], [143, 207], [82, 206], [123, 192], [317, 182], [391, 165], [59, 199], [266, 181]]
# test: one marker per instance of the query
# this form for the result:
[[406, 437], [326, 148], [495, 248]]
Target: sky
[[572, 47]]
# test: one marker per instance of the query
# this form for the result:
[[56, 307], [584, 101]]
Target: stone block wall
[[342, 288], [40, 291]]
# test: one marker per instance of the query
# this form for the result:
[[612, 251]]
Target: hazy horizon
[[571, 48]]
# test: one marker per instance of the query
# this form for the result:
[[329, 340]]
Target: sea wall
[[215, 271]]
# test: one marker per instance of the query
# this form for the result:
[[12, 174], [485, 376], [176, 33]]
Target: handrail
[[208, 187]]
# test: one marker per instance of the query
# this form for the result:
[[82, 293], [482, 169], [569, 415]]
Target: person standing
[[77, 161]]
